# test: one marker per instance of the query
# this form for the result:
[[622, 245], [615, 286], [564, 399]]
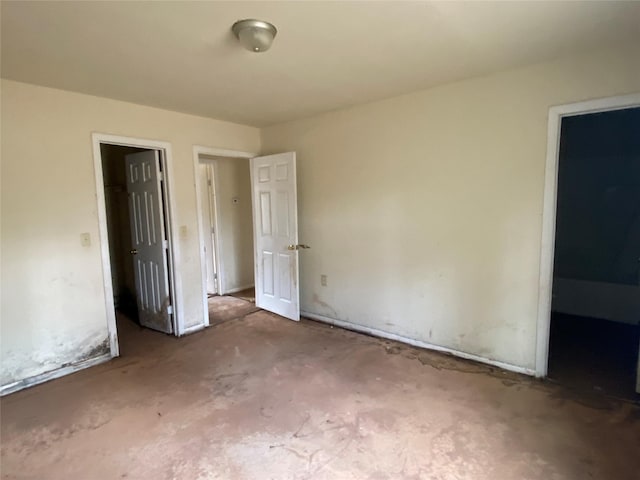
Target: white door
[[205, 176], [148, 243], [275, 227]]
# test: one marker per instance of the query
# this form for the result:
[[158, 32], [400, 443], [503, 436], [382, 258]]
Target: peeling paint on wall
[[53, 307], [61, 352]]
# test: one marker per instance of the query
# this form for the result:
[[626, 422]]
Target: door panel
[[148, 242], [275, 223]]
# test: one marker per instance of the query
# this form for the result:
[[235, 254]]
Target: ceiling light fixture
[[254, 35]]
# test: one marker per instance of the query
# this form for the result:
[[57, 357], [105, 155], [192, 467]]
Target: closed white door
[[275, 226], [148, 243]]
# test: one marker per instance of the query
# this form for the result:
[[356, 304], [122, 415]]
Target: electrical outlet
[[323, 280], [85, 239]]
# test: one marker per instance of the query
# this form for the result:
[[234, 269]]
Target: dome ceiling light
[[254, 35]]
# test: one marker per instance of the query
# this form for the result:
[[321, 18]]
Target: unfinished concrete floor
[[223, 308], [266, 398]]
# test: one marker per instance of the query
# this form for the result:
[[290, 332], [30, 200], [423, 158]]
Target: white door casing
[[555, 116], [275, 227], [638, 371], [148, 242], [199, 152]]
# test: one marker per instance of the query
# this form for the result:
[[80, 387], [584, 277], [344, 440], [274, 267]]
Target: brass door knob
[[298, 247]]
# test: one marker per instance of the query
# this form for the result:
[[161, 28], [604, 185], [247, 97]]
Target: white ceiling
[[182, 55]]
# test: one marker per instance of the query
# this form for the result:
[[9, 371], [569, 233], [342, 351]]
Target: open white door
[[148, 242], [275, 227]]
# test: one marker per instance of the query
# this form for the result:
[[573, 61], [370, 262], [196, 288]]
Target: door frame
[[556, 114], [213, 203], [175, 281], [199, 150]]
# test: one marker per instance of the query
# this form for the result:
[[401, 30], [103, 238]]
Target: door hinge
[[209, 182], [215, 276], [213, 231], [170, 309], [165, 244], [161, 176]]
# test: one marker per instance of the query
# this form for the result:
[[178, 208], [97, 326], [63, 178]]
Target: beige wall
[[53, 305], [424, 210], [235, 222]]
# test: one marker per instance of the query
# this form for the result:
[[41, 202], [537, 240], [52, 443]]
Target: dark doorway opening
[[595, 324], [128, 294]]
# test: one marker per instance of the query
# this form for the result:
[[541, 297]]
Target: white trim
[[50, 375], [193, 329], [239, 289], [222, 153], [556, 113], [175, 278], [104, 250], [416, 343], [255, 236], [174, 242]]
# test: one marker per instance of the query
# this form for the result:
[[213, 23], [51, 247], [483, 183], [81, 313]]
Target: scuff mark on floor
[[326, 403]]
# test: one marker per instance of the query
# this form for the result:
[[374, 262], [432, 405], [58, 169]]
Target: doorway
[[594, 320], [136, 235], [119, 228], [226, 236], [209, 228]]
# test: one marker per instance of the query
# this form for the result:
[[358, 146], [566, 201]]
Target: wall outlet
[[323, 280], [85, 239]]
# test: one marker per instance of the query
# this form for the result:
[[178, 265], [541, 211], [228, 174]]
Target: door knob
[[298, 247], [134, 251]]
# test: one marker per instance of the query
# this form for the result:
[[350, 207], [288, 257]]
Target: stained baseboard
[[192, 329], [417, 343], [52, 374]]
